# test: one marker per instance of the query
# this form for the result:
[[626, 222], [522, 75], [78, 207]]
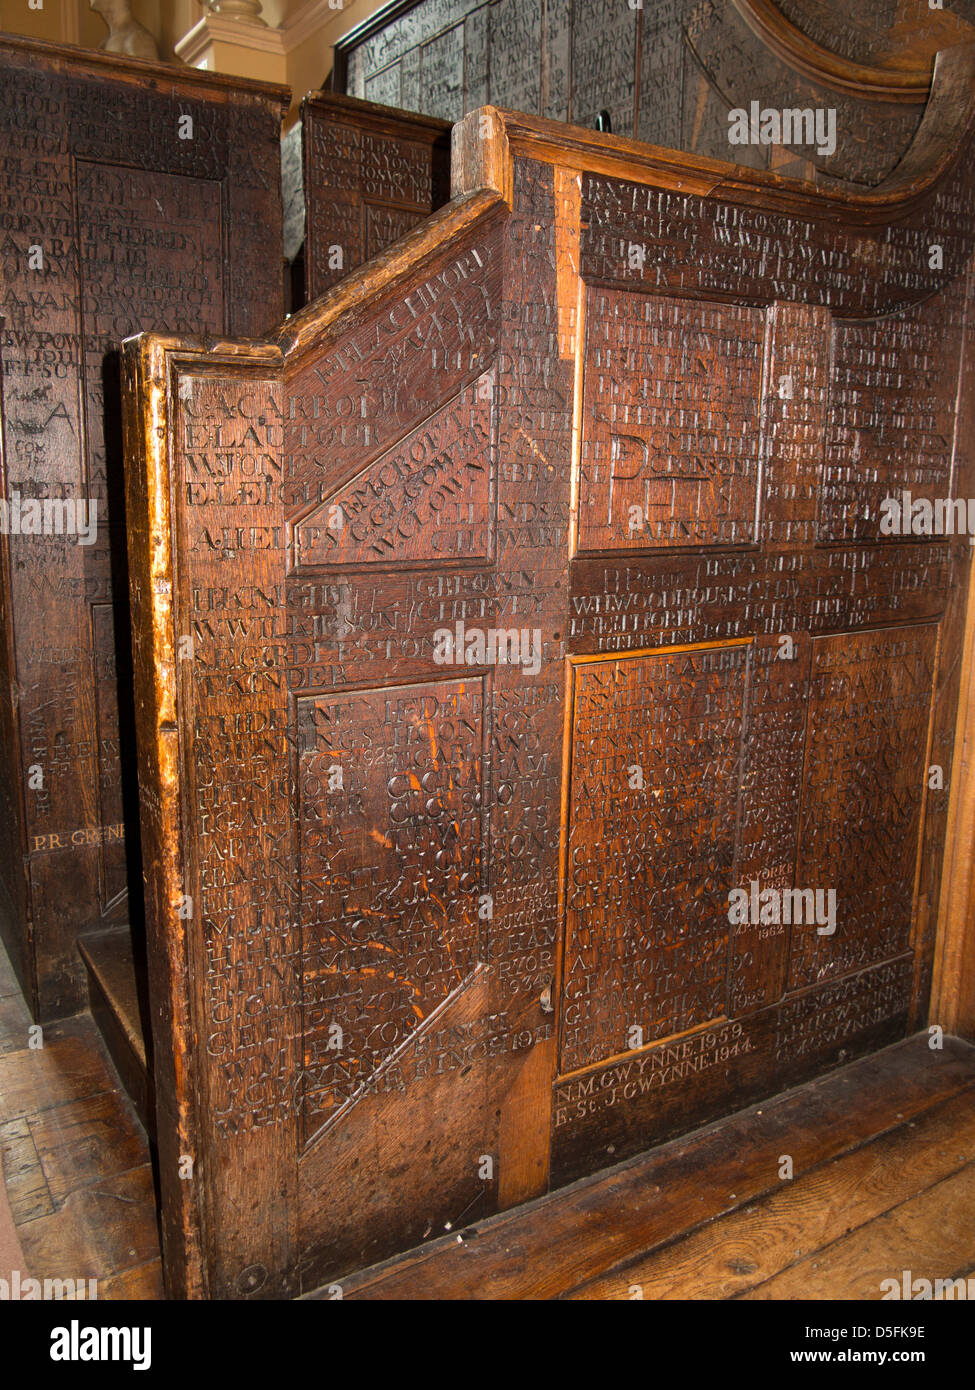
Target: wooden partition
[[359, 176], [500, 624], [668, 71], [134, 196]]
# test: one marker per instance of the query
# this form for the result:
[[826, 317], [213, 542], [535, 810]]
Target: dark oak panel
[[670, 71], [133, 197], [676, 1220], [360, 175], [466, 783], [672, 448], [389, 790]]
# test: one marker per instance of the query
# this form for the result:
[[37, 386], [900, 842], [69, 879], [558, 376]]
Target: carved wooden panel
[[673, 423], [842, 691], [367, 175], [131, 199], [391, 866], [885, 32], [653, 846], [670, 71], [868, 716], [519, 838]]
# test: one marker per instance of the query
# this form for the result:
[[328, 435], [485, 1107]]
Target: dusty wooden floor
[[74, 1156], [883, 1156]]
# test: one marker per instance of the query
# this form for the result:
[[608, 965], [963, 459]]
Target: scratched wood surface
[[496, 620], [669, 71], [358, 176], [712, 1216], [133, 196]]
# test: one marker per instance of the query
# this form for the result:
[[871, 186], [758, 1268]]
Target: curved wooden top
[[872, 247], [831, 70]]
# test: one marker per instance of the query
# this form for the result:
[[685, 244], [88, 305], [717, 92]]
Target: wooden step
[[118, 1008], [790, 1238]]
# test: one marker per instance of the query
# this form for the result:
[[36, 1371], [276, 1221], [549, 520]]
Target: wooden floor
[[75, 1158], [883, 1162]]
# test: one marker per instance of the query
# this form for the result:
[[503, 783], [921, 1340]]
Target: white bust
[[125, 34]]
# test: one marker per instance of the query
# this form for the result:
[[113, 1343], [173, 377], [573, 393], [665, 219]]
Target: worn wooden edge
[[952, 994], [15, 932], [311, 326], [953, 985], [149, 365], [904, 83], [480, 151], [371, 113], [487, 139], [145, 426]]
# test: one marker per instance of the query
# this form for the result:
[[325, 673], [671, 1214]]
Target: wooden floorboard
[[809, 1211], [930, 1234], [74, 1156]]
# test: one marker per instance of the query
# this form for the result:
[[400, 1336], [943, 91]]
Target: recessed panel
[[891, 417], [866, 754], [431, 497], [672, 423], [391, 865], [652, 847]]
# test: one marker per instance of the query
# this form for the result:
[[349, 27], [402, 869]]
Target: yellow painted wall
[[311, 62], [17, 17], [175, 18]]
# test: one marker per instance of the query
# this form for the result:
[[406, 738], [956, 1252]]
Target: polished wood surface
[[451, 922]]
